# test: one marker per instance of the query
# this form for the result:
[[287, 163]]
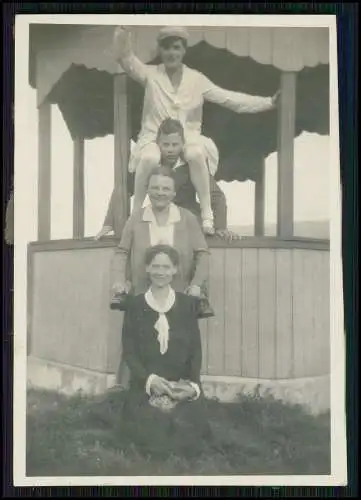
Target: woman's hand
[[227, 235], [121, 40], [276, 98], [183, 392], [160, 386], [194, 290], [103, 232], [120, 288]]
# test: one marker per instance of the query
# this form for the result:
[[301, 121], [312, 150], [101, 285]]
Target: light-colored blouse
[[161, 235], [185, 104]]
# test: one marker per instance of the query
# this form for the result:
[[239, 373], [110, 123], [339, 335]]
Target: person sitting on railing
[[170, 140], [174, 90], [161, 222], [164, 408]]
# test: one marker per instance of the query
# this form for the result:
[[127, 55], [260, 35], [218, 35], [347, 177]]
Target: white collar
[[161, 325], [151, 301], [179, 163], [173, 217], [162, 69]]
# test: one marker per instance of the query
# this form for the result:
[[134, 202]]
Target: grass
[[76, 436]]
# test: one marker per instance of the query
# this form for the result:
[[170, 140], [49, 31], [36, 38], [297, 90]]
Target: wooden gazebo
[[271, 294]]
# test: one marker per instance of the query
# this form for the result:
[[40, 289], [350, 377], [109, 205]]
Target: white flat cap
[[176, 31]]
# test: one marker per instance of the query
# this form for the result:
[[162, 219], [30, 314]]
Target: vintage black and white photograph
[[178, 287]]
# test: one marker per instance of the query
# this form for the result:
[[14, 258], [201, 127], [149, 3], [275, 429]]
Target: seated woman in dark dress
[[164, 408]]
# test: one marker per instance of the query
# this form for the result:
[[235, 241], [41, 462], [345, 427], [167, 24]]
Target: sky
[[311, 180]]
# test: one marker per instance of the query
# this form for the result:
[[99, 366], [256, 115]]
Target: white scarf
[[161, 324]]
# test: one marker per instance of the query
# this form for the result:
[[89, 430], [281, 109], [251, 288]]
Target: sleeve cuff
[[197, 389], [149, 383]]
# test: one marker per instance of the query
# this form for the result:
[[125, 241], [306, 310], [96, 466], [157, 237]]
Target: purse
[[205, 310], [119, 301]]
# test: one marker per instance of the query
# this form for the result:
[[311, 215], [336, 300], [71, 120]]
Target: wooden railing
[[271, 299]]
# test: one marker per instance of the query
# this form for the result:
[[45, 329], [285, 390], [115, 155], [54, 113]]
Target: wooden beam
[[78, 189], [259, 202], [286, 134], [121, 152], [44, 171]]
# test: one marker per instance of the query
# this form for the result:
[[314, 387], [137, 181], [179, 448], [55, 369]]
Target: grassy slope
[[77, 436]]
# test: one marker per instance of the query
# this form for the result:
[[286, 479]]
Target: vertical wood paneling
[[324, 314], [271, 306], [70, 319], [216, 324], [114, 323], [298, 313], [302, 310], [311, 274], [284, 326], [266, 313], [249, 313], [319, 338], [233, 308], [203, 326]]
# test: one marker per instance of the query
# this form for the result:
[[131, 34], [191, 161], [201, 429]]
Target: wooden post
[[44, 172], [121, 152], [121, 199], [286, 134], [259, 202], [78, 189]]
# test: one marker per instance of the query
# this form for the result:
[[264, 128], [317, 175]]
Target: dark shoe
[[204, 308], [119, 302]]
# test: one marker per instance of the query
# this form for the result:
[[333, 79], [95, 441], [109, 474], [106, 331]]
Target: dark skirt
[[182, 430]]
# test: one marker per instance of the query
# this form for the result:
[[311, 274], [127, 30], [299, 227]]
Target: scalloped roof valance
[[55, 48]]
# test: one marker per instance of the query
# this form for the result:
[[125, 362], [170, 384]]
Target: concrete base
[[312, 393], [43, 374]]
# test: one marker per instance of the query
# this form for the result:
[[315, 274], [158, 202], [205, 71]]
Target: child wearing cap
[[173, 90]]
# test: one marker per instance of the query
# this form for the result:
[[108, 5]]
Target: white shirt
[[162, 234], [185, 104]]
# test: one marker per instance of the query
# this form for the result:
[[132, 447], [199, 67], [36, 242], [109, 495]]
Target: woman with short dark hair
[[173, 90], [164, 407]]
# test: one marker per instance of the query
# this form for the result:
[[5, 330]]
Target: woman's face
[[161, 270], [172, 55], [161, 191]]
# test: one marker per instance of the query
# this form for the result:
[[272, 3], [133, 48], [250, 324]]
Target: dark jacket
[[183, 358], [186, 197]]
